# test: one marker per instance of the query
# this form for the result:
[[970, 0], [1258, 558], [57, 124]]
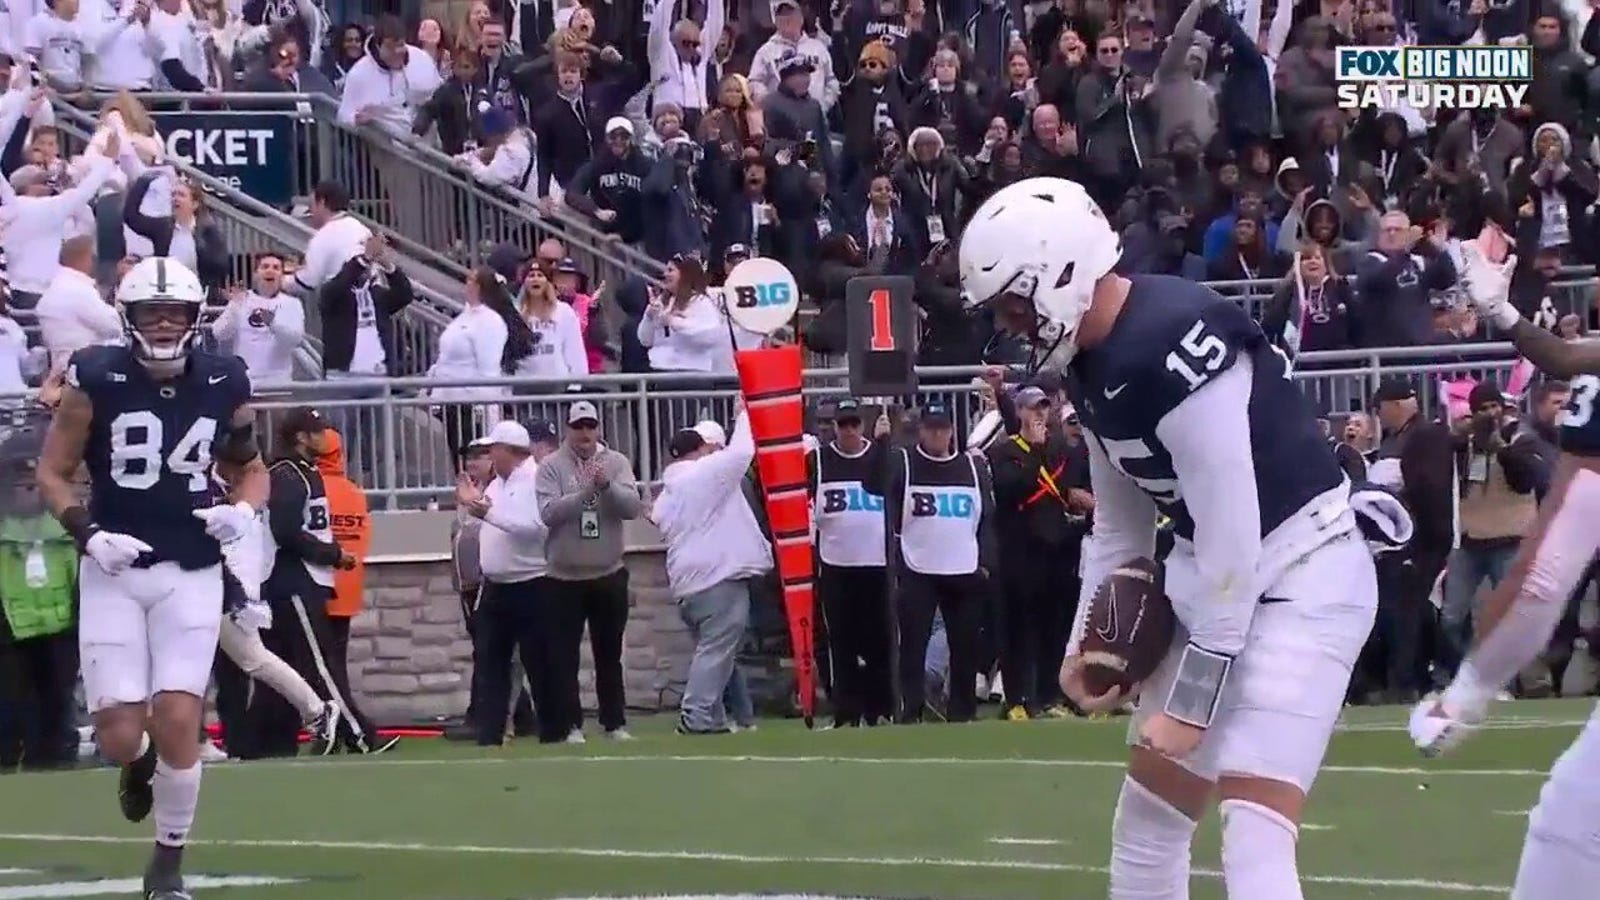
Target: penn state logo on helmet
[[160, 301], [1032, 254]]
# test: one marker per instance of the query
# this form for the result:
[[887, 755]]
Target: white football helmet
[[160, 302], [1033, 252]]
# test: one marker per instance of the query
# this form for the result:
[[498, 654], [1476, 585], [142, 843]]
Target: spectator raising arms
[[263, 326], [180, 55], [678, 59], [507, 157]]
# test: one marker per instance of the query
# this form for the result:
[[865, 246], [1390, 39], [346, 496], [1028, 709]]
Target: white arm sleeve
[[1124, 529], [1208, 437]]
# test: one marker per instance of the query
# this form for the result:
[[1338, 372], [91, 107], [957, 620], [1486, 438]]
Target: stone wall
[[410, 659]]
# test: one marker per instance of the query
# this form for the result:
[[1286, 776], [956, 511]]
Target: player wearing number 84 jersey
[[1189, 412], [1561, 854], [147, 420]]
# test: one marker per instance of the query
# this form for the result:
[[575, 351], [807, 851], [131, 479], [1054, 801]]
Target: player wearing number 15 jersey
[[1190, 413], [147, 420], [1561, 854]]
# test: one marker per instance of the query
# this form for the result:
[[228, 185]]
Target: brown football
[[1129, 628]]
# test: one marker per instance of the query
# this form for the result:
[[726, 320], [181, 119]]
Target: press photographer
[[1497, 470]]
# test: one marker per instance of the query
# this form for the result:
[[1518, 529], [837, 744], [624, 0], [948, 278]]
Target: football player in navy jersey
[[1561, 854], [1188, 412], [149, 420]]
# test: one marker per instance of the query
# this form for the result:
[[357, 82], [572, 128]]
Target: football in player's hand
[[1129, 628]]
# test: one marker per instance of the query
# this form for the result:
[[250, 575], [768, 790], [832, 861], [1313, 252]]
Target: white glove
[[1438, 724], [254, 616], [1488, 286], [228, 522], [114, 552]]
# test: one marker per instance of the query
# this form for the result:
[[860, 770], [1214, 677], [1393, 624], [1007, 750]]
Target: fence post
[[391, 443], [646, 468]]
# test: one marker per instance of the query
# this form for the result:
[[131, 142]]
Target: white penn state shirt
[[267, 349]]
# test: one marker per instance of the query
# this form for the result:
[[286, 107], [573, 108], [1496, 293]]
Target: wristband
[[1197, 690], [1506, 316], [1467, 697], [78, 524]]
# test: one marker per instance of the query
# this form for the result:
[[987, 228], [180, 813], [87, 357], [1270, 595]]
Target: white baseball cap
[[510, 434], [619, 123], [712, 433]]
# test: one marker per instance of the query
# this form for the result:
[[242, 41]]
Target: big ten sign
[[882, 335], [253, 153], [761, 295]]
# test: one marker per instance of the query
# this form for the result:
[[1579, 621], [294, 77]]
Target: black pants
[[522, 714], [1406, 619], [37, 677], [310, 641], [1037, 602], [510, 620], [855, 603], [339, 664], [257, 723], [602, 603], [960, 599]]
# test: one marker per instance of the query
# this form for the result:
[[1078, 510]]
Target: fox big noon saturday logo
[[1433, 77]]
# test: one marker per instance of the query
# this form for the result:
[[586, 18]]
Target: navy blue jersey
[[150, 446], [1580, 427], [1172, 337]]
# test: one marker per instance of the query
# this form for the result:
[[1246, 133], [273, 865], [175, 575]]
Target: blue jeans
[[1468, 568], [362, 428], [736, 700], [717, 616]]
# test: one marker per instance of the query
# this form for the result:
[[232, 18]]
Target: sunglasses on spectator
[[1109, 51]]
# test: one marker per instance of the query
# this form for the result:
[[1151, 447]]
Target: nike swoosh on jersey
[[218, 379], [1111, 393]]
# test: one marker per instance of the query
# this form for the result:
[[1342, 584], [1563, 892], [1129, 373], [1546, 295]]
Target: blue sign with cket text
[[253, 153]]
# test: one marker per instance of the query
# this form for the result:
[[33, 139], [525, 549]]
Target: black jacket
[[1030, 508], [611, 182], [391, 292], [210, 246], [454, 108], [296, 484], [568, 130]]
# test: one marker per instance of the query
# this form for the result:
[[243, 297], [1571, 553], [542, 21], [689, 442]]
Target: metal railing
[[252, 226], [400, 442], [438, 212]]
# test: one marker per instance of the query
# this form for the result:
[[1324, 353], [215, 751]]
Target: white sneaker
[[619, 734], [576, 736], [997, 688], [982, 687], [211, 753]]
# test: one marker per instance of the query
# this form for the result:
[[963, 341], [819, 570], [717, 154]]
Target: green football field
[[991, 810]]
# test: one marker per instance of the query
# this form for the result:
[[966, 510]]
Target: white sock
[[177, 794], [1258, 852], [1149, 847]]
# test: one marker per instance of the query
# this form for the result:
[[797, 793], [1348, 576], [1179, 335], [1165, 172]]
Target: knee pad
[[1258, 851], [1149, 846]]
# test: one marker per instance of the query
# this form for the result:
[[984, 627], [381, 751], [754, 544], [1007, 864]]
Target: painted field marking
[[1414, 884], [1026, 842], [106, 887]]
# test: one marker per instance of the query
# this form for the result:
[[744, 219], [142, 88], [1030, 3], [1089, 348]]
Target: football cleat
[[134, 793], [325, 729]]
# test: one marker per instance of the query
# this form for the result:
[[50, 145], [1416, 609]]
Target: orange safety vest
[[352, 528]]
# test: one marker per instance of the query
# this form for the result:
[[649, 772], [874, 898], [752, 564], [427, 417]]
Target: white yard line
[[1026, 842], [1308, 826], [1409, 771], [106, 887], [1415, 884], [18, 871]]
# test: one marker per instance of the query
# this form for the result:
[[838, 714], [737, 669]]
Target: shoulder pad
[[91, 367], [1206, 347]]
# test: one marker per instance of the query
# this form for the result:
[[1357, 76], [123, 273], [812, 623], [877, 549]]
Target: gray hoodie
[[570, 505]]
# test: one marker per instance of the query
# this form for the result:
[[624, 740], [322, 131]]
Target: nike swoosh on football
[[1108, 632], [1111, 394]]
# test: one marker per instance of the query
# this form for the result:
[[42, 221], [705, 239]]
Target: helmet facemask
[[1017, 315], [162, 332]]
